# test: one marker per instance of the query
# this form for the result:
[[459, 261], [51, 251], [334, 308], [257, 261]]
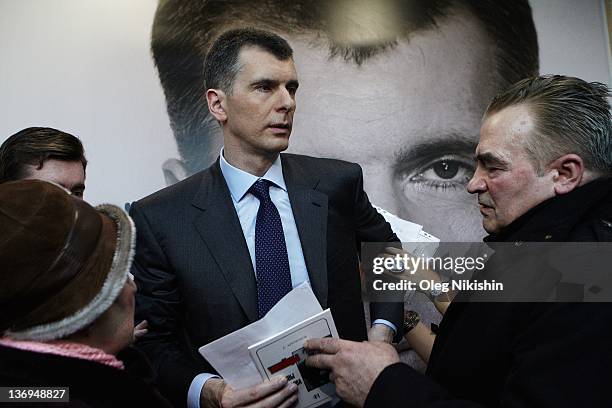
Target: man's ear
[[569, 171], [174, 171], [216, 104]]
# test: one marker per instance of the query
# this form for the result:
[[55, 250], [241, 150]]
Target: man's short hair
[[222, 63], [34, 146], [183, 31], [570, 115]]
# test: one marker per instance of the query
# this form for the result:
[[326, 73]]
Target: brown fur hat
[[62, 262]]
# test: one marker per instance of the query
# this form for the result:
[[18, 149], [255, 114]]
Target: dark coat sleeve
[[159, 301], [372, 227], [561, 358], [399, 385]]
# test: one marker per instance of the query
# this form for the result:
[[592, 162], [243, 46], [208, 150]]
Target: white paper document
[[230, 356], [414, 239], [284, 354]]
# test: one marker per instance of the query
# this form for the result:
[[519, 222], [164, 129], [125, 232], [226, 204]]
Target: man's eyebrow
[[489, 158], [264, 82], [452, 143], [271, 83]]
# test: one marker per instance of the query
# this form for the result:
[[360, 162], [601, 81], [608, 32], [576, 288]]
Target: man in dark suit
[[216, 251], [544, 168]]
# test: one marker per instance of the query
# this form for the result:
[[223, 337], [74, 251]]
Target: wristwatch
[[411, 319], [434, 293]]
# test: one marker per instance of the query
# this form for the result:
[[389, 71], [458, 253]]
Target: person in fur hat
[[67, 299]]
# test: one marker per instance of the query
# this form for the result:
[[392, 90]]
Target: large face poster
[[396, 86]]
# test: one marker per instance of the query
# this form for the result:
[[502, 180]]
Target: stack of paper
[[273, 346]]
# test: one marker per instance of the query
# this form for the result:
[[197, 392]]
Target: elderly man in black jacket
[[544, 162]]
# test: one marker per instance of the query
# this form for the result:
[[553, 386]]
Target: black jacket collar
[[553, 219]]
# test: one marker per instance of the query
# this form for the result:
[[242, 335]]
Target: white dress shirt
[[246, 204]]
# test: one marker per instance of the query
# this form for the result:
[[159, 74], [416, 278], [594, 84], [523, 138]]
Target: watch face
[[411, 319], [435, 292]]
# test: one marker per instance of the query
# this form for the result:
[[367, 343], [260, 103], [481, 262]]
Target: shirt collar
[[239, 181]]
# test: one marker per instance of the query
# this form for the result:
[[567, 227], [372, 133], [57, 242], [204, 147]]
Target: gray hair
[[571, 116]]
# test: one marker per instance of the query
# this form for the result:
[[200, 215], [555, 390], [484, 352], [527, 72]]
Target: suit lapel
[[310, 213], [219, 227]]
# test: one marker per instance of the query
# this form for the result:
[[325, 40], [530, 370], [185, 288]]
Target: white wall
[[84, 66], [572, 36]]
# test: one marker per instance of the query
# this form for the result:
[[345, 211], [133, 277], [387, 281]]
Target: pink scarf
[[66, 349]]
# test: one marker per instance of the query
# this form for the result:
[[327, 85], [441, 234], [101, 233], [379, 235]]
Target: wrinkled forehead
[[506, 134], [513, 125]]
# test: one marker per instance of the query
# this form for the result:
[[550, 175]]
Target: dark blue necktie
[[271, 260]]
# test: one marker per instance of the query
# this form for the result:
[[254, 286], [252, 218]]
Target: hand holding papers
[[284, 354], [297, 316]]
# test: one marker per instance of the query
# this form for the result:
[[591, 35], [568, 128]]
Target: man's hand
[[141, 329], [380, 332], [354, 366], [216, 393]]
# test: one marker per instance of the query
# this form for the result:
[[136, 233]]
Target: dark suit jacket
[[195, 277], [520, 354]]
